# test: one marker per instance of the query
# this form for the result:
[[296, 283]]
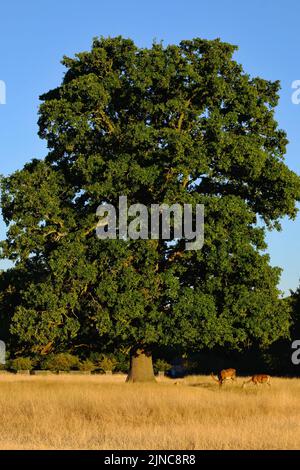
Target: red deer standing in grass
[[223, 375], [259, 379]]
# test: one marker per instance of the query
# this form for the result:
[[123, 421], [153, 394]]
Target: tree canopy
[[167, 124]]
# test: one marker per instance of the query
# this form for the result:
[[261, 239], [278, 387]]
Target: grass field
[[102, 412]]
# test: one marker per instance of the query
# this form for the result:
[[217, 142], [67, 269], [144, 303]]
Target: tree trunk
[[141, 368]]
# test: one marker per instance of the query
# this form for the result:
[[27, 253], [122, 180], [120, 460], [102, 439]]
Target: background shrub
[[87, 365], [161, 365], [61, 361], [21, 363], [123, 362]]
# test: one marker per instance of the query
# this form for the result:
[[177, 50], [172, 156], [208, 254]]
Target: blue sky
[[34, 36]]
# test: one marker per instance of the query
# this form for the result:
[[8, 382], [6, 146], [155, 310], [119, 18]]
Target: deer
[[258, 379], [223, 375]]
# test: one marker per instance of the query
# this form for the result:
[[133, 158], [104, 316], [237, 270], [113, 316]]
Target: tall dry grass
[[61, 412]]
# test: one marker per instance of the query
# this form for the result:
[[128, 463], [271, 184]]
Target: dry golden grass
[[102, 412]]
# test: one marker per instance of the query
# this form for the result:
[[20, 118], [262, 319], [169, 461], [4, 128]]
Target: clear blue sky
[[34, 35]]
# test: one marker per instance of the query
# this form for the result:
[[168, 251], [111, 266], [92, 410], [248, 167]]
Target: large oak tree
[[176, 124]]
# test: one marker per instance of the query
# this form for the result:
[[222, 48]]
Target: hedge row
[[68, 362]]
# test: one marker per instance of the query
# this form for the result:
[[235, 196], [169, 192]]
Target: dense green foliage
[[61, 361], [161, 365], [107, 363], [21, 363], [176, 124], [87, 365]]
